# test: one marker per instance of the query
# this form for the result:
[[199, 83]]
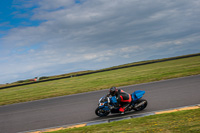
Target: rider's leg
[[123, 107]]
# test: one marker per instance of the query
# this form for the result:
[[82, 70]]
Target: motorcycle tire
[[101, 113], [142, 106]]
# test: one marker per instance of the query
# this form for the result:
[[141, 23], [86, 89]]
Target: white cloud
[[99, 32], [52, 5]]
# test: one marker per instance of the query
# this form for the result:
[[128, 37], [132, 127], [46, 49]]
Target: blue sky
[[51, 37]]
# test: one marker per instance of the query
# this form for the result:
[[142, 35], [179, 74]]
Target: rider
[[123, 98]]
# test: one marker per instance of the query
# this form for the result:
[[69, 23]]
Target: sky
[[51, 37]]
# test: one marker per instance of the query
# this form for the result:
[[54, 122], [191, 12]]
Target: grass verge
[[102, 80], [176, 122]]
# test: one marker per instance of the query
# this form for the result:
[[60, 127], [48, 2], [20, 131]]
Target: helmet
[[113, 91]]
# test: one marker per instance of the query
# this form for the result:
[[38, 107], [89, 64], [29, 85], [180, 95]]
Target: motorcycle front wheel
[[100, 112]]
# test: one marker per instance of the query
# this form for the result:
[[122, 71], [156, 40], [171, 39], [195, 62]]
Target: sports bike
[[108, 104]]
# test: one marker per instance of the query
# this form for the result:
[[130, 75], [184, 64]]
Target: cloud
[[52, 5], [100, 32]]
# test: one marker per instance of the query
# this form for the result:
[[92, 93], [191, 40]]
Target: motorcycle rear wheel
[[100, 112], [142, 106]]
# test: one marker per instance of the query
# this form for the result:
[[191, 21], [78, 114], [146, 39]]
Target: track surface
[[80, 107]]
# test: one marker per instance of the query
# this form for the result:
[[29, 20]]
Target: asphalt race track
[[80, 107]]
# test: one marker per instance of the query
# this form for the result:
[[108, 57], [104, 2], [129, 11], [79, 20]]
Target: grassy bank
[[102, 80], [177, 122], [81, 73]]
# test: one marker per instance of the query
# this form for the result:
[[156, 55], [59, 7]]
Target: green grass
[[67, 75], [102, 80], [177, 122]]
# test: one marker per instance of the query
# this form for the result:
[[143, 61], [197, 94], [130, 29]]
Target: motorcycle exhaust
[[140, 104]]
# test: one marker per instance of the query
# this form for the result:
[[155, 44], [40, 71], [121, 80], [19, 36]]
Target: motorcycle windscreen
[[137, 94]]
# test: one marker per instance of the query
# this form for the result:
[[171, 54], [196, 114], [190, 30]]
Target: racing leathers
[[123, 99]]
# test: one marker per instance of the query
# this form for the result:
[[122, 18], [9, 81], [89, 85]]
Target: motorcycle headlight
[[101, 104]]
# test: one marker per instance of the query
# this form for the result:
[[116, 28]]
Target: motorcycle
[[108, 104]]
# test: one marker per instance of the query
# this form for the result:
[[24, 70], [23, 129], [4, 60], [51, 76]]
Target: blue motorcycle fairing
[[137, 95], [113, 101], [103, 107], [106, 108]]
